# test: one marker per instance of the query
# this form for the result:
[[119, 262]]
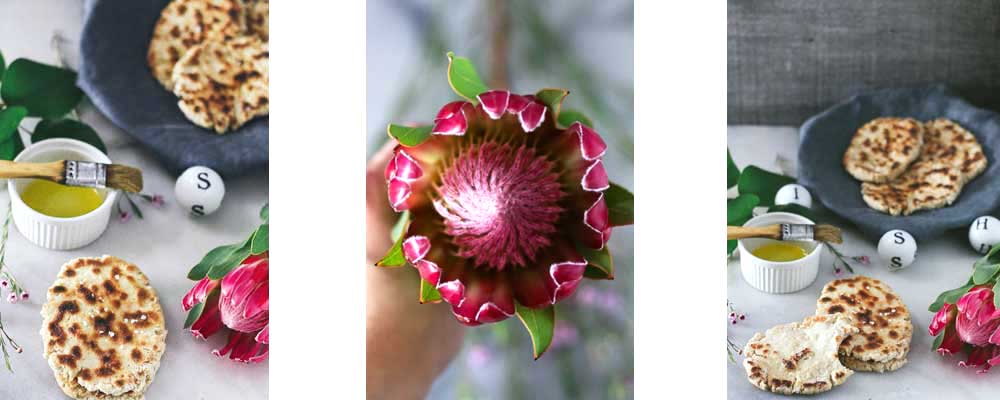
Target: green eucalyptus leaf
[[264, 213], [950, 296], [732, 172], [259, 244], [194, 314], [620, 205], [410, 136], [70, 129], [599, 262], [46, 91], [794, 209], [567, 117], [540, 324], [986, 267], [763, 183], [428, 293], [10, 139], [552, 98], [232, 260], [394, 257], [464, 79], [738, 212], [211, 259]]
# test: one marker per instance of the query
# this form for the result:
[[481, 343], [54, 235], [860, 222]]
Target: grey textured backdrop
[[789, 59]]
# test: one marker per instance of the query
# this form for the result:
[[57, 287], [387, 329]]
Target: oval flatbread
[[184, 24], [882, 320], [950, 158], [258, 16], [799, 357], [103, 330], [883, 148], [222, 85]]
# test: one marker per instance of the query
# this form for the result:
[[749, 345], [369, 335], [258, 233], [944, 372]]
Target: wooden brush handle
[[52, 171], [743, 232]]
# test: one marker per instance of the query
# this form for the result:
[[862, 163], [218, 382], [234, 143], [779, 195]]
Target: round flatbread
[[883, 148], [222, 85], [258, 15], [882, 320], [184, 24], [799, 357], [951, 157], [103, 330]]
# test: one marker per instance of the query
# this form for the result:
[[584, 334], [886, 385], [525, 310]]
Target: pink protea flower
[[238, 304], [973, 323], [505, 202]]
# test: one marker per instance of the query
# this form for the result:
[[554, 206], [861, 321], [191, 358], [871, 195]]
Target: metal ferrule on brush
[[86, 174], [796, 232]]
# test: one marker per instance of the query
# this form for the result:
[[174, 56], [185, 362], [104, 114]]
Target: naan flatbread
[[799, 357], [184, 24], [103, 330], [951, 157], [882, 320], [883, 148]]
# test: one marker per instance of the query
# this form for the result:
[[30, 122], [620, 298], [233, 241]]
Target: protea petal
[[451, 119], [951, 343], [517, 103], [532, 116], [592, 146], [243, 298], [596, 178], [209, 322], [415, 248], [198, 293], [264, 335], [941, 320], [429, 271], [487, 298], [979, 357], [452, 291], [566, 276], [494, 102], [399, 192], [977, 318], [406, 168]]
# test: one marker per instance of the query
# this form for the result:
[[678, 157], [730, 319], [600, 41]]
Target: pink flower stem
[[840, 259]]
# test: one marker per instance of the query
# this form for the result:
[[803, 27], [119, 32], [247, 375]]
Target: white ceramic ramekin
[[53, 232], [779, 277]]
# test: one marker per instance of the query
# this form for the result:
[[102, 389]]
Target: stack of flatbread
[[103, 330], [213, 55], [860, 325], [885, 330], [906, 165]]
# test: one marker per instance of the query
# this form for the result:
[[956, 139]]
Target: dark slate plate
[[114, 74], [825, 137]]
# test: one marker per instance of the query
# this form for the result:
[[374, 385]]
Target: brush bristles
[[124, 178], [828, 233]]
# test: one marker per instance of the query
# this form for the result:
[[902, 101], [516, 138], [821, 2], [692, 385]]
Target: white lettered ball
[[793, 193], [897, 249], [200, 190], [984, 233]]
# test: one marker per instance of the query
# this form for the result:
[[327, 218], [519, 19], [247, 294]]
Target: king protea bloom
[[972, 323], [237, 305], [503, 203]]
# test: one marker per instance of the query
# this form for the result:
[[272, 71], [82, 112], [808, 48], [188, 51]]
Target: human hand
[[408, 344]]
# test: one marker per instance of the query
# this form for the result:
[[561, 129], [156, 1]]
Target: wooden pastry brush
[[822, 233], [77, 173]]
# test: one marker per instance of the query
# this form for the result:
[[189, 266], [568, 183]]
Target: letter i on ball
[[984, 233], [200, 190], [793, 193], [897, 248]]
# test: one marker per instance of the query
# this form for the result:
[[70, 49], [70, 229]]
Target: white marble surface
[[165, 244], [940, 265]]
